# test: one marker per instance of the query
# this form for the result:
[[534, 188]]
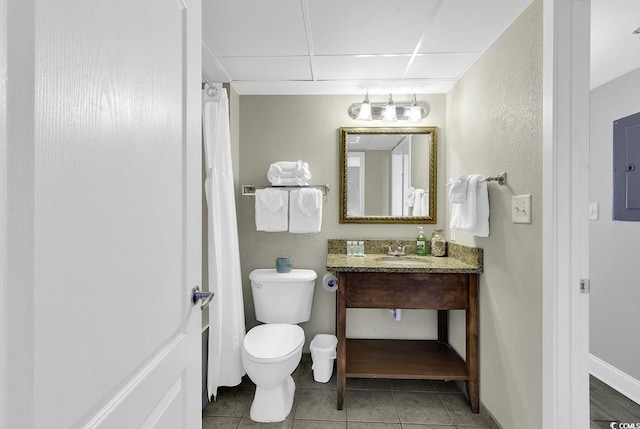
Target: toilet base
[[273, 404]]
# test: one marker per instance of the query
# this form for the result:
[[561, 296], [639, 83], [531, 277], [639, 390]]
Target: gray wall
[[494, 124], [614, 249], [284, 128]]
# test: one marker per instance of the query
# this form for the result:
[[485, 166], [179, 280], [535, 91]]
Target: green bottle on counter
[[421, 243]]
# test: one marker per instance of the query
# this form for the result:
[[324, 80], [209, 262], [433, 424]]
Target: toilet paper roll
[[330, 282]]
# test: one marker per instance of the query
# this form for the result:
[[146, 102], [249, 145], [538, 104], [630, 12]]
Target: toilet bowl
[[270, 355], [272, 351]]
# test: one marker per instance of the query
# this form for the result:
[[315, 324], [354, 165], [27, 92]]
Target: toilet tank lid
[[270, 274]]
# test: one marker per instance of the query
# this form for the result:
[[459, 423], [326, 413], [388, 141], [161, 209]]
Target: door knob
[[205, 297]]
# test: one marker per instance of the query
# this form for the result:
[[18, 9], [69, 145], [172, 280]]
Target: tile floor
[[369, 404]]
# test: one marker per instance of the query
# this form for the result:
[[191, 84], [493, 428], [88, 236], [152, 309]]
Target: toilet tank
[[282, 297]]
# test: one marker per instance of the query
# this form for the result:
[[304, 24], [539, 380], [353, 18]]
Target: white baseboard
[[622, 382]]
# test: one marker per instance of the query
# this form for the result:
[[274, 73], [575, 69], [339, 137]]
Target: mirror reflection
[[388, 175]]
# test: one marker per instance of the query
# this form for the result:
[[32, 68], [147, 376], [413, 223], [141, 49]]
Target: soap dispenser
[[421, 243]]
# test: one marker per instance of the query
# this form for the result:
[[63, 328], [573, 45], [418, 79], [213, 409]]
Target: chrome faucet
[[400, 249]]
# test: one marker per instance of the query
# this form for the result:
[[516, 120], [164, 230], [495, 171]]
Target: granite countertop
[[460, 259]]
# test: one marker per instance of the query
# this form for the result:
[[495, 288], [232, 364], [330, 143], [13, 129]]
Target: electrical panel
[[626, 168]]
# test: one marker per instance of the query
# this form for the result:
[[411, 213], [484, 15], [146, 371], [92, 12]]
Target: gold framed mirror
[[388, 175]]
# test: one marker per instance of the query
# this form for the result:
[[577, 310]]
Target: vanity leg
[[341, 378], [472, 344], [341, 331], [443, 326], [340, 390]]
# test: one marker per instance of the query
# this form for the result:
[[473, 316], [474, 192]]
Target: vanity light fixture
[[389, 111]]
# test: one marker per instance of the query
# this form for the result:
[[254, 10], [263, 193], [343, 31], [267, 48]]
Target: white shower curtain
[[226, 311]]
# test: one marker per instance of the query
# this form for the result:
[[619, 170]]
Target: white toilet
[[271, 352]]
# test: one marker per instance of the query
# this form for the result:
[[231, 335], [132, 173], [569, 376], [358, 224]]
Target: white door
[[100, 204]]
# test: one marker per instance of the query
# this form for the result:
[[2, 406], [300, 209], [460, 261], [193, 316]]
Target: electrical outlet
[[521, 208]]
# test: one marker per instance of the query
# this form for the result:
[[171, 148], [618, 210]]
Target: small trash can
[[323, 352]]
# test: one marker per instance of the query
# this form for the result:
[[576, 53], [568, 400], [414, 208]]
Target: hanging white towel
[[458, 188], [271, 209], [305, 213], [418, 206], [410, 196], [472, 216], [424, 203]]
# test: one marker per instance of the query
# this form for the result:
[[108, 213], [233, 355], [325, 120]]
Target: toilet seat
[[273, 342]]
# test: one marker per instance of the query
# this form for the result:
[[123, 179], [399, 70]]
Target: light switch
[[521, 208], [594, 211]]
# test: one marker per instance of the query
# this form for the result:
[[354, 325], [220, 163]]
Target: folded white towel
[[271, 209], [458, 188], [305, 211], [472, 216], [288, 181], [287, 165], [289, 173]]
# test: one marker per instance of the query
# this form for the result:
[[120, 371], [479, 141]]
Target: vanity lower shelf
[[403, 359]]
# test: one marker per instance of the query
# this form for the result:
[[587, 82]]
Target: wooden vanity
[[441, 284]]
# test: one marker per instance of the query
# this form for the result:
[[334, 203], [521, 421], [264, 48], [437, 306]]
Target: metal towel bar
[[251, 189], [500, 178]]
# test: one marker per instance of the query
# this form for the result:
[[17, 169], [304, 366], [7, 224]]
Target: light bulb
[[389, 112], [415, 111], [365, 110]]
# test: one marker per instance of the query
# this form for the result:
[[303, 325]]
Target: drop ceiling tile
[[367, 26], [267, 68], [470, 25], [361, 67], [441, 66], [254, 27]]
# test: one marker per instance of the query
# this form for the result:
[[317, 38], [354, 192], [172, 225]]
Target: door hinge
[[585, 286]]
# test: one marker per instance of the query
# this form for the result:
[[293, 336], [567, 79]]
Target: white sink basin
[[400, 260]]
